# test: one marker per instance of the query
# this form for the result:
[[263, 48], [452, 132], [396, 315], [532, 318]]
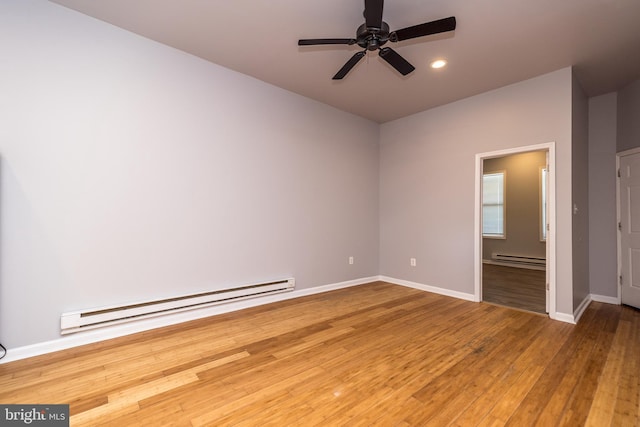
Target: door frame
[[630, 152], [550, 148]]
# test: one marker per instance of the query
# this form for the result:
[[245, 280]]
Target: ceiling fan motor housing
[[371, 38]]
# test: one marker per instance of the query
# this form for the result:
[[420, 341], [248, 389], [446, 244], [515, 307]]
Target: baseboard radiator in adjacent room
[[94, 318], [518, 260]]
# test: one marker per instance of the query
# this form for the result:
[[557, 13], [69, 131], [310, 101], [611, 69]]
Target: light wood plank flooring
[[514, 287], [375, 354]]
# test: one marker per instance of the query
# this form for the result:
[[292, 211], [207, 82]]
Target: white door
[[629, 226]]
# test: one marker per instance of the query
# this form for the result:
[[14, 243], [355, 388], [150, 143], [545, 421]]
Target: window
[[493, 205], [543, 204]]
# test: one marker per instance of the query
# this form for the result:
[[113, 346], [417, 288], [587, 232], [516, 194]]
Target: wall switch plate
[[350, 260], [413, 262]]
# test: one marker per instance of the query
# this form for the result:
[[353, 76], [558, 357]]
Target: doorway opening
[[515, 228]]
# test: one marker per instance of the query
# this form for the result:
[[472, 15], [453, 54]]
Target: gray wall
[[580, 191], [131, 170], [522, 205], [427, 179], [602, 196], [629, 117]]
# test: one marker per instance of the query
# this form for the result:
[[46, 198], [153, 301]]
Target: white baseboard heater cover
[[518, 259], [106, 316]]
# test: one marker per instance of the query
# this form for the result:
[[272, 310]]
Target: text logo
[[34, 415]]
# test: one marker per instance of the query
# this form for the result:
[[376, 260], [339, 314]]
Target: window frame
[[503, 235]]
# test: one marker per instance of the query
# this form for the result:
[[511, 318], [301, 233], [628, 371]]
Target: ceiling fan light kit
[[374, 34]]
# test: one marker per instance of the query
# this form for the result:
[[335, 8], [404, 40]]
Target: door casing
[[551, 219]]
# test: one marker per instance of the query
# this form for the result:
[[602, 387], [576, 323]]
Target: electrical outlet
[[350, 260], [412, 261]]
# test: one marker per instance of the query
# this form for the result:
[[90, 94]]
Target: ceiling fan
[[374, 33]]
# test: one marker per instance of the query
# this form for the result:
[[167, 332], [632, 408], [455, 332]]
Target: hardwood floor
[[376, 354], [514, 287]]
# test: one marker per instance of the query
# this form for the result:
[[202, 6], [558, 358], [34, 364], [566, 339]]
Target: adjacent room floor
[[520, 288]]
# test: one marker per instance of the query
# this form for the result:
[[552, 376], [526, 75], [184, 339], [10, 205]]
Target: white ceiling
[[496, 43]]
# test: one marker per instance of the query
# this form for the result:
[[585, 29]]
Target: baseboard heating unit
[[518, 260], [94, 318]]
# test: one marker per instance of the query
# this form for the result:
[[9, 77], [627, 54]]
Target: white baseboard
[[605, 299], [564, 317], [577, 314], [110, 332], [332, 287], [428, 288], [587, 300], [579, 311]]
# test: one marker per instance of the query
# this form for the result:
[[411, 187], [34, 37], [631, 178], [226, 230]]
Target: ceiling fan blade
[[396, 61], [373, 13], [426, 29], [349, 65], [313, 42]]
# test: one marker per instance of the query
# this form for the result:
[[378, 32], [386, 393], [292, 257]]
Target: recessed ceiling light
[[438, 63]]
